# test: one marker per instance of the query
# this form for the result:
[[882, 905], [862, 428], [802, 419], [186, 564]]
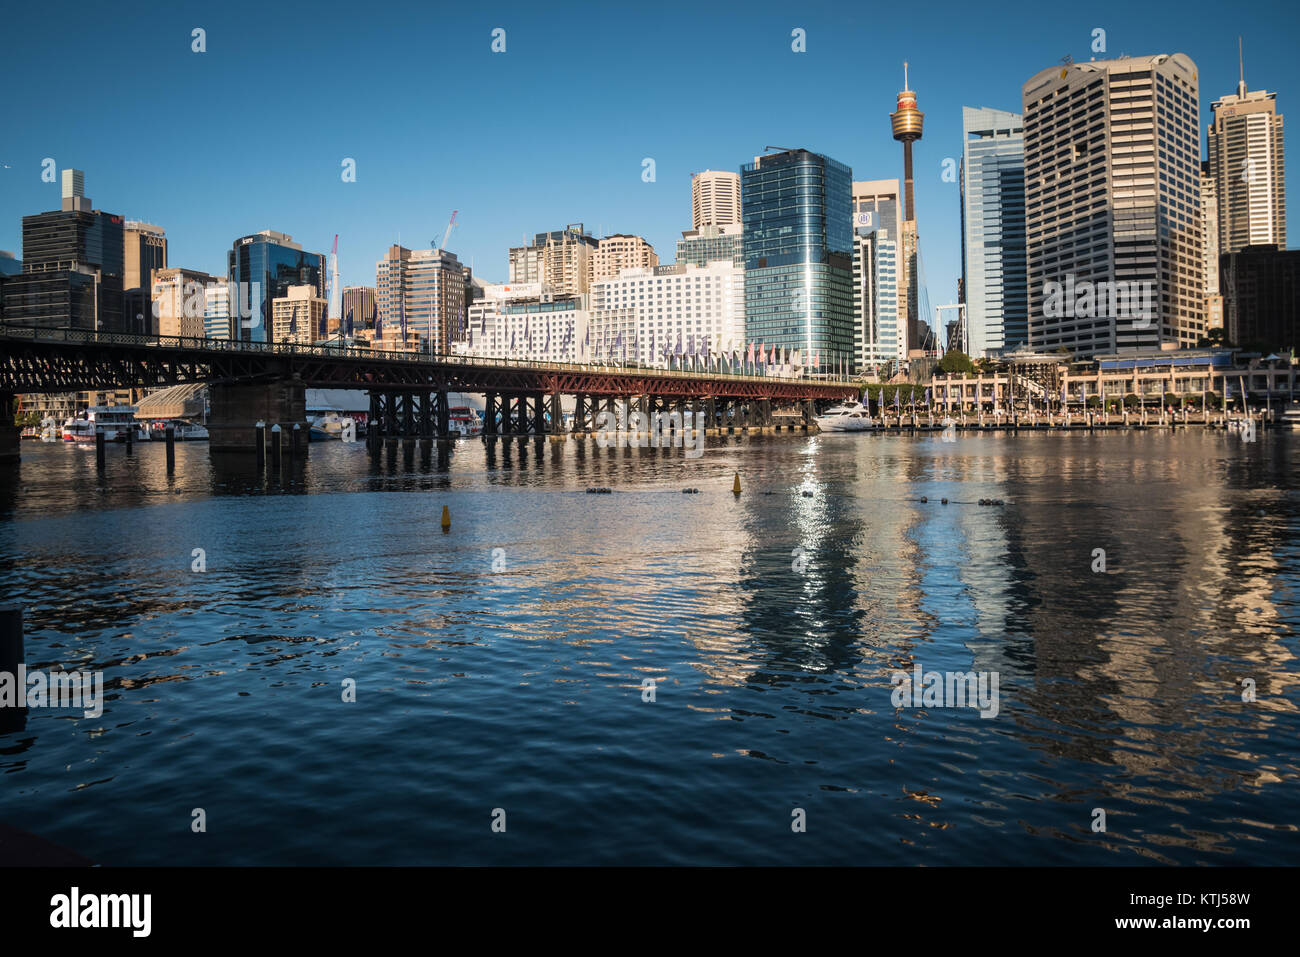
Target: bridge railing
[[93, 337]]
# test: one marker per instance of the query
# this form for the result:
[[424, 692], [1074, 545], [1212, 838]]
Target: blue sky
[[250, 135]]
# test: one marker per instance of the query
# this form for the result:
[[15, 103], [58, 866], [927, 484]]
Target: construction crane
[[447, 235]]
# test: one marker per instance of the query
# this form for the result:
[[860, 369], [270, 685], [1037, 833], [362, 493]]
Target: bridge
[[252, 381]]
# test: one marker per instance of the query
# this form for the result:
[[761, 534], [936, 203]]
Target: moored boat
[[849, 417]]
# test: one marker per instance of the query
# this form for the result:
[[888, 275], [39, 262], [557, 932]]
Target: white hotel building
[[525, 321], [682, 307]]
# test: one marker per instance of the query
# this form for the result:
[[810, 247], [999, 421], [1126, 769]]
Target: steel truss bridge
[[408, 390]]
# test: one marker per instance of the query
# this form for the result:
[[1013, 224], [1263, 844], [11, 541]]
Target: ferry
[[114, 421], [849, 417], [464, 421]]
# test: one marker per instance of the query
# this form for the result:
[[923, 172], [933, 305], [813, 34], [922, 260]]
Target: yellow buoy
[[446, 519], [735, 484]]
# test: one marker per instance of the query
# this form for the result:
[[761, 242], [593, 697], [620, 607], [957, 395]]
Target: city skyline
[[510, 170]]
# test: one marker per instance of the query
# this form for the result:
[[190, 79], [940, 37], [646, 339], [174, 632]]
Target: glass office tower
[[262, 267], [796, 208], [72, 272], [993, 230]]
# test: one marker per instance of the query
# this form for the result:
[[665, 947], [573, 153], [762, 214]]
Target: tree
[[1214, 339], [954, 361]]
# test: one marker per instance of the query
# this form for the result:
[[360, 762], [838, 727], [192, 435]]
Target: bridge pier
[[237, 406], [10, 450], [539, 413], [557, 415]]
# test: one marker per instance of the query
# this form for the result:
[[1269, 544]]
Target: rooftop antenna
[[1241, 62]]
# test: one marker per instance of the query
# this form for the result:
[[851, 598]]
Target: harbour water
[[502, 664]]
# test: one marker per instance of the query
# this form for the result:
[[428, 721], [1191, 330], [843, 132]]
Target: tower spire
[[1241, 63]]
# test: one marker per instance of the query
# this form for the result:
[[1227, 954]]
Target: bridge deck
[[36, 359]]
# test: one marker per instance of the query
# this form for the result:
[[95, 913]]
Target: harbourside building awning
[[177, 402]]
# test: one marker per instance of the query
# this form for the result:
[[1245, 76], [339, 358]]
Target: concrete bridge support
[[236, 407]]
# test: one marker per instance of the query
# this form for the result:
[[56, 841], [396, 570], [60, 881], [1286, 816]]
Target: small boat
[[330, 425], [849, 417], [1290, 417]]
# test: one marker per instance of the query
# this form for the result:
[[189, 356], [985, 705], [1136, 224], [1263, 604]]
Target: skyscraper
[[426, 288], [715, 198], [72, 266], [1246, 163], [876, 214], [1214, 318], [798, 241], [144, 249], [360, 301], [993, 229], [262, 267], [1112, 196]]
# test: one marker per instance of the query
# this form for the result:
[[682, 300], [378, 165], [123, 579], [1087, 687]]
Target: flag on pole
[[349, 324]]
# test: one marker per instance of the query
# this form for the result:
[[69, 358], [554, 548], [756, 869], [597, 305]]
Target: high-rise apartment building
[[425, 288], [618, 252], [798, 240], [992, 182], [261, 268], [1246, 163], [72, 266], [715, 198], [299, 315], [1114, 230], [561, 259], [709, 244], [877, 319]]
